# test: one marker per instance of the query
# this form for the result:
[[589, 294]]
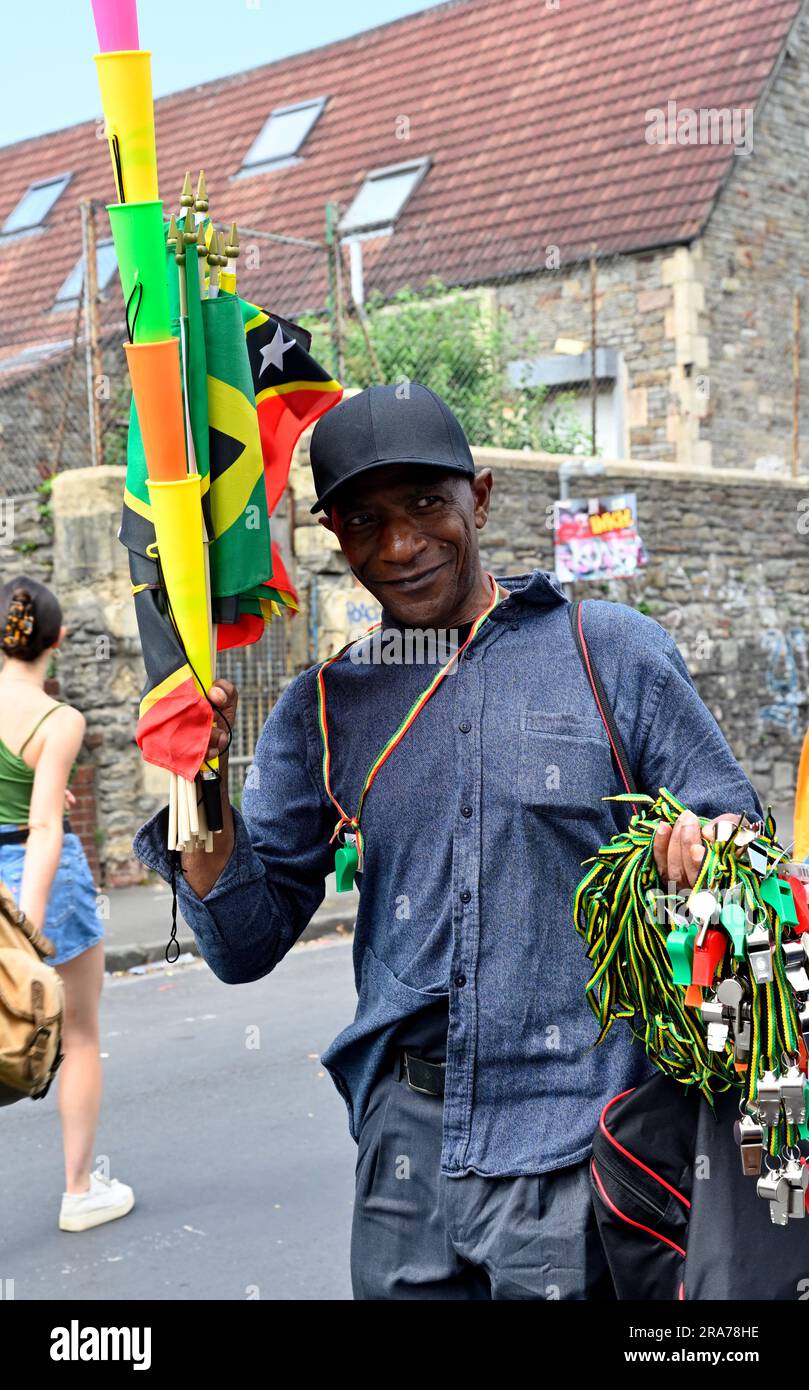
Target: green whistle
[[777, 892], [346, 861], [734, 921], [803, 1130], [680, 946]]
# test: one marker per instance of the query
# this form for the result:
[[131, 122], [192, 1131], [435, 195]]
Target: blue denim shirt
[[475, 832]]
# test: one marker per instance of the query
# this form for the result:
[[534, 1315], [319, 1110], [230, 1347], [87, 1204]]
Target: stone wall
[[101, 669], [632, 301], [755, 254], [728, 576], [26, 547]]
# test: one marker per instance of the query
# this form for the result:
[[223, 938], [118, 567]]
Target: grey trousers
[[418, 1234]]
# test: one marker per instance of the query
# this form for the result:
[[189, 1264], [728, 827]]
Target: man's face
[[409, 534]]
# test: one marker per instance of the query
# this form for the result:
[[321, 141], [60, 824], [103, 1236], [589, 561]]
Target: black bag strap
[[604, 707]]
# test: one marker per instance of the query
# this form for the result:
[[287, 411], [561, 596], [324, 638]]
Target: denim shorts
[[72, 922]]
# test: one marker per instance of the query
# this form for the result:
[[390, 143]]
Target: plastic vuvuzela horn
[[116, 25], [125, 79], [154, 369], [140, 247]]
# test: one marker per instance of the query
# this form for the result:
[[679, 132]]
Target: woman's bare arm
[[63, 737]]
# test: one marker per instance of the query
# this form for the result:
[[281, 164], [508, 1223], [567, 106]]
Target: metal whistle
[[775, 1189], [795, 963], [797, 1175], [759, 953], [792, 1086], [768, 1099], [749, 1135]]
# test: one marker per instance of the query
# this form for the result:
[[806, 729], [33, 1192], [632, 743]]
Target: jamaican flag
[[234, 458]]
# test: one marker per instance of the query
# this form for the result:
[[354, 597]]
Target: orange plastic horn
[[154, 369]]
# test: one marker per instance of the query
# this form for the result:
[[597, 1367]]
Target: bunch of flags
[[222, 391]]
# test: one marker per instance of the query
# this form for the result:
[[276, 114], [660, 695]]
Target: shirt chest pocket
[[564, 764]]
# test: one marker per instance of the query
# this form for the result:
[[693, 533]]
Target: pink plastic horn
[[116, 25]]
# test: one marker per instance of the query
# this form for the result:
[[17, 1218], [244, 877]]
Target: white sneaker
[[105, 1200]]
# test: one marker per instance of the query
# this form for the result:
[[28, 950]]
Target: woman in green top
[[43, 864]]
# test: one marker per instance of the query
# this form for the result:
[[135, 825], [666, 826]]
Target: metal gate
[[259, 673]]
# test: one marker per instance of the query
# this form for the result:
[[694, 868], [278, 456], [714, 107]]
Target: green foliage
[[45, 510], [449, 340], [114, 438]]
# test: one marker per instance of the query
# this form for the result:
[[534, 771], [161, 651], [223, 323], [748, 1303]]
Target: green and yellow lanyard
[[349, 857], [642, 960]]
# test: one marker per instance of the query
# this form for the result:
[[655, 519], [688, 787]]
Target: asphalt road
[[240, 1156]]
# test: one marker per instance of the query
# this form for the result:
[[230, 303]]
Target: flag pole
[[197, 238], [200, 212]]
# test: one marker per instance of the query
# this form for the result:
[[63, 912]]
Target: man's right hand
[[201, 869], [225, 697]]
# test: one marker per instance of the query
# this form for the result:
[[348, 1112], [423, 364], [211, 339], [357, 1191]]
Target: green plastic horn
[[140, 246]]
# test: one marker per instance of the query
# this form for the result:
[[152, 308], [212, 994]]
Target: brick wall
[[83, 817]]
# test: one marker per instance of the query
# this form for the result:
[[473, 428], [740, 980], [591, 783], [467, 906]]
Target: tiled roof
[[534, 119]]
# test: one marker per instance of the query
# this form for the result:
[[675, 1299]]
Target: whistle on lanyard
[[775, 1188], [795, 963], [730, 994], [680, 947], [717, 1022], [777, 893], [792, 1086], [734, 920], [727, 1015], [798, 887], [347, 860], [708, 955], [749, 1135], [768, 1099], [785, 1189], [759, 954], [797, 1175]]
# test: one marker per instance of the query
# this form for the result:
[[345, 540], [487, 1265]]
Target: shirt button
[[466, 896], [460, 981], [466, 810], [469, 654], [465, 727]]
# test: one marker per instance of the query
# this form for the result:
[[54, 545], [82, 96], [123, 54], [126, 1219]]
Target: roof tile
[[534, 120]]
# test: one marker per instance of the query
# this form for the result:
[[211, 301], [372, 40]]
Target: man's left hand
[[679, 849]]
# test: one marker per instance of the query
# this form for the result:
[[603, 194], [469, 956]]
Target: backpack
[[676, 1217], [31, 1007]]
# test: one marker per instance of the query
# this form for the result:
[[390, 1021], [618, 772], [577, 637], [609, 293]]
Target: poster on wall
[[597, 538]]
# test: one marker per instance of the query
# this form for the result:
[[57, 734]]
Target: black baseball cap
[[381, 425]]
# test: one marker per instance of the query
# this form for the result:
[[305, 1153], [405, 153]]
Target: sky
[[47, 75]]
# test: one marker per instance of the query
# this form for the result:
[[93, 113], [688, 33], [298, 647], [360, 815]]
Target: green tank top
[[17, 779]]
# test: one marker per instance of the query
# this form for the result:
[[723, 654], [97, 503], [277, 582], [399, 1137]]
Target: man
[[469, 1073]]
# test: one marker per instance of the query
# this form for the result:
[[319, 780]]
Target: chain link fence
[[665, 355]]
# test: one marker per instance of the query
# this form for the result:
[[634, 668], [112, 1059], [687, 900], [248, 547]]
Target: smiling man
[[463, 792]]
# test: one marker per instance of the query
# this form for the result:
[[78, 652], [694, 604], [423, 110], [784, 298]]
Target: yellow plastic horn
[[125, 80], [177, 516]]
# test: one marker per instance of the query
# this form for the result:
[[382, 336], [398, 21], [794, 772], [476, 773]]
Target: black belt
[[19, 837], [427, 1077]]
